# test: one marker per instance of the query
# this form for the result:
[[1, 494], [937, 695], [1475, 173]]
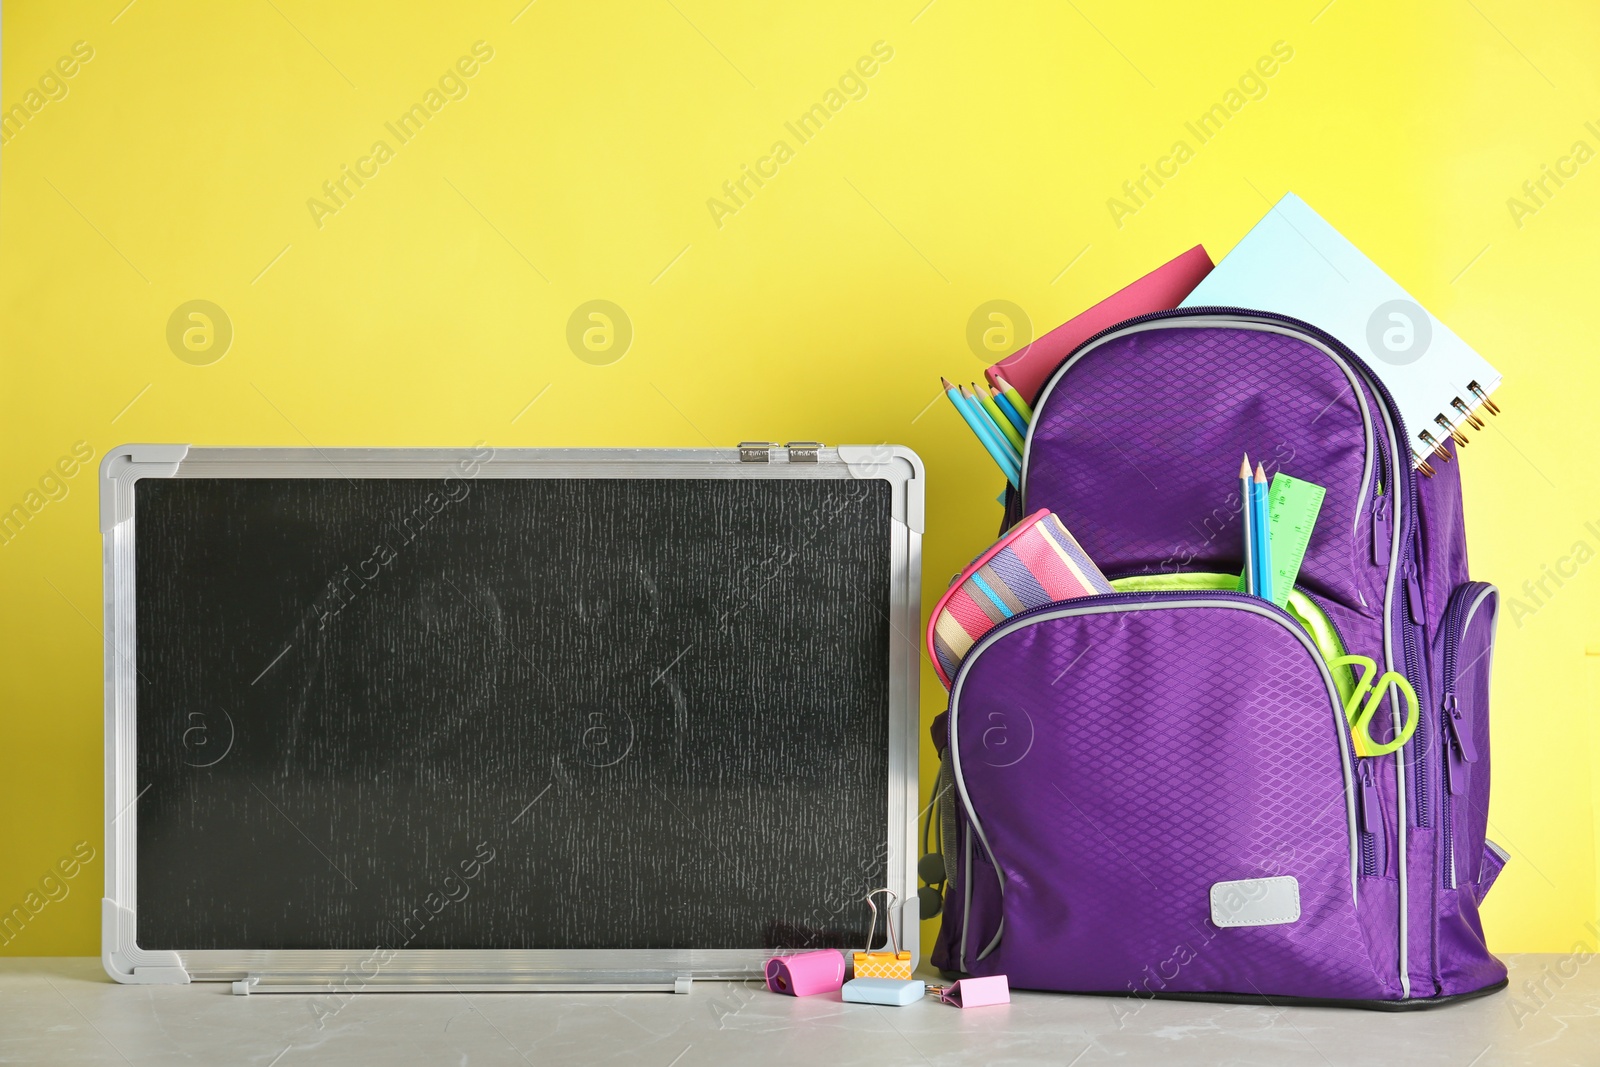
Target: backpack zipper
[[1369, 826], [1422, 742]]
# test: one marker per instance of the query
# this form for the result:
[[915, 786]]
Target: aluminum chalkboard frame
[[349, 970]]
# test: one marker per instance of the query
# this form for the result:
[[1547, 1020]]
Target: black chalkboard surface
[[510, 713]]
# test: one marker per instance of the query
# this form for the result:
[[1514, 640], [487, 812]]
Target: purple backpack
[[1155, 792]]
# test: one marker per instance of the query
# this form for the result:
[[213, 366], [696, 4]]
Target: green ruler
[[1292, 507]]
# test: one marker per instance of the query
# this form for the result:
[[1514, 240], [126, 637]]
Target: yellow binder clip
[[892, 964]]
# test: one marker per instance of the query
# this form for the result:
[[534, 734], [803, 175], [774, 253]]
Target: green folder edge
[[1302, 608]]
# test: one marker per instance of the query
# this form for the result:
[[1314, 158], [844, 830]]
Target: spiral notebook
[[1295, 264]]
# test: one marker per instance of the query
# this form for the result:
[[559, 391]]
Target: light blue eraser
[[897, 992]]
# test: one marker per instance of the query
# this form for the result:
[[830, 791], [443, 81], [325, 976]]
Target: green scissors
[[1361, 720]]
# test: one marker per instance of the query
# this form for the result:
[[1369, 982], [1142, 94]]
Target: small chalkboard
[[505, 716]]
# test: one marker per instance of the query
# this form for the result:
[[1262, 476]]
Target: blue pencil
[[1247, 513], [1258, 508], [986, 425], [999, 447], [978, 422], [1002, 402]]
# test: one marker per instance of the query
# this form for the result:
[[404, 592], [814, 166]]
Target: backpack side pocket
[[1468, 862]]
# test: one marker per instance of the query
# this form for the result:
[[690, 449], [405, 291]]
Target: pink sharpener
[[977, 992], [805, 973]]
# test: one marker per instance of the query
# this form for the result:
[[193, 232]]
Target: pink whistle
[[805, 973], [977, 992]]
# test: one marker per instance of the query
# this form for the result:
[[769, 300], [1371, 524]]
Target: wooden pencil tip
[[1244, 467], [946, 382], [1261, 473]]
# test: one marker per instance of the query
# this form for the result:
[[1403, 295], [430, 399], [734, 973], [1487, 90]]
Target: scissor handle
[[1373, 686]]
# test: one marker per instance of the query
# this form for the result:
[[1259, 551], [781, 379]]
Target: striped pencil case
[[1037, 562]]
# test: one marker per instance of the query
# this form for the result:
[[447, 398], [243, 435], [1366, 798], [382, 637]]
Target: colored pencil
[[1001, 458], [1015, 397], [1258, 507], [1004, 404], [1247, 513], [987, 427], [998, 417]]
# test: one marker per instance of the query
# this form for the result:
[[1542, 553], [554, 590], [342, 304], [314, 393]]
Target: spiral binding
[[1452, 429]]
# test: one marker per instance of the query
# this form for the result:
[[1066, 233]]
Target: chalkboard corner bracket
[[125, 961], [126, 464], [899, 466]]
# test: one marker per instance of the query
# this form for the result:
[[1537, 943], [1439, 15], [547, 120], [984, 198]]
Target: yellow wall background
[[432, 307]]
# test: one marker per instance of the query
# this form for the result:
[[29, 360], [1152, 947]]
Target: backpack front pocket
[[1159, 796]]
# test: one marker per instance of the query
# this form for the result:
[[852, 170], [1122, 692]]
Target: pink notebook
[[1160, 290]]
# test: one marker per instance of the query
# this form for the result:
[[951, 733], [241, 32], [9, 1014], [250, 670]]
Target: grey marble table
[[65, 1011]]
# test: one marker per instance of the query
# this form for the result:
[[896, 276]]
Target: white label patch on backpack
[[1255, 902]]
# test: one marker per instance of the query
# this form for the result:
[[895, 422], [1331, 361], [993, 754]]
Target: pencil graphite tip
[[999, 380], [1261, 473], [946, 382], [1244, 467]]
